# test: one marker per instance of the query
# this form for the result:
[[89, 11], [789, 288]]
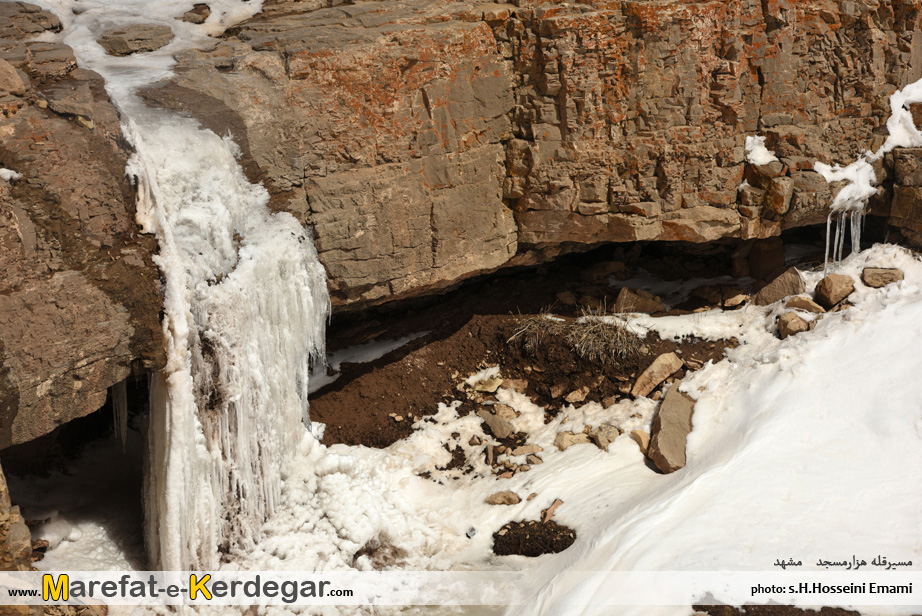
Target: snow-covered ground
[[804, 448]]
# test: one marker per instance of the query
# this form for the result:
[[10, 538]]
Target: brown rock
[[630, 300], [568, 439], [15, 540], [671, 426], [198, 14], [135, 38], [500, 427], [791, 323], [788, 283], [804, 303], [10, 81], [833, 289], [533, 459], [661, 368], [642, 439], [524, 450], [505, 497], [604, 435], [517, 385], [577, 395], [876, 277], [79, 293]]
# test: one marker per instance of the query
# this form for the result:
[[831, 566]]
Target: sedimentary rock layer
[[429, 141], [79, 293]]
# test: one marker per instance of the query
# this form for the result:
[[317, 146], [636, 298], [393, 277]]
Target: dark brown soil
[[359, 408], [532, 538]]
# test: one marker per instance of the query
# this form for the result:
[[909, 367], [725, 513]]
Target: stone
[[198, 14], [568, 439], [604, 435], [642, 439], [907, 166], [600, 272], [577, 395], [662, 367], [788, 283], [517, 385], [499, 427], [10, 81], [15, 539], [488, 385], [778, 197], [833, 289], [505, 497], [876, 277], [504, 411], [135, 38], [548, 513], [533, 459], [671, 427], [791, 323], [800, 302], [630, 300], [524, 450]]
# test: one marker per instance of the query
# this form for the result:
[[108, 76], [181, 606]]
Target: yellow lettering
[[197, 586], [55, 590]]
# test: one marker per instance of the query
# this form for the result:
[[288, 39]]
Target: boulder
[[501, 428], [791, 323], [630, 300], [804, 303], [788, 283], [136, 38], [505, 497], [671, 426], [833, 289], [568, 439], [662, 368], [877, 277]]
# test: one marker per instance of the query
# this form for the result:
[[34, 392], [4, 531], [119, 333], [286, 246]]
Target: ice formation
[[849, 204], [245, 302]]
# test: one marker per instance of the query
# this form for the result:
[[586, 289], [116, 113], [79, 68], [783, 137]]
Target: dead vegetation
[[590, 337]]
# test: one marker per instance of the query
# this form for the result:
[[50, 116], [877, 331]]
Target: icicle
[[119, 393], [826, 254]]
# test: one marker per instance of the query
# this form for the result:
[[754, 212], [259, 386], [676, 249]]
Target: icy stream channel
[[245, 302]]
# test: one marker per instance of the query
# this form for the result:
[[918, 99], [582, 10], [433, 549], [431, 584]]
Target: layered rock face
[[79, 293], [426, 142]]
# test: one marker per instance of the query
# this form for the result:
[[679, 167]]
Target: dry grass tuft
[[589, 337]]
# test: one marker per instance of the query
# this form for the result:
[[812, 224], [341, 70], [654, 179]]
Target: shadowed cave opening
[[82, 483]]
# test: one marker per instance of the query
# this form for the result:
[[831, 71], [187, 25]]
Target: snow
[[357, 354], [757, 153], [245, 300], [8, 175]]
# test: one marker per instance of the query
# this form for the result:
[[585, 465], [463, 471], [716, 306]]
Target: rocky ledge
[[79, 293], [430, 141]]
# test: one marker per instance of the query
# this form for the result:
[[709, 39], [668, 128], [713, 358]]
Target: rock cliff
[[426, 142], [430, 141], [79, 293]]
